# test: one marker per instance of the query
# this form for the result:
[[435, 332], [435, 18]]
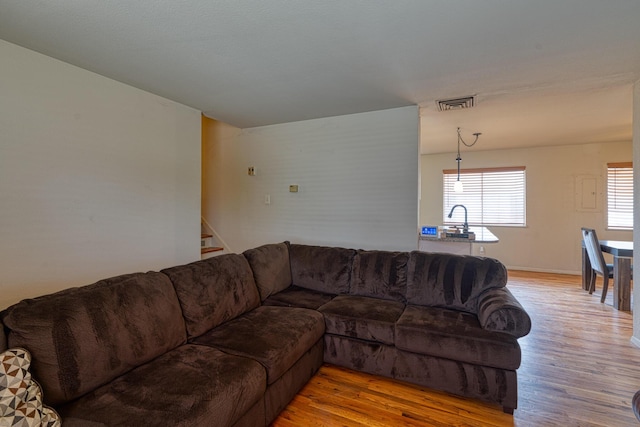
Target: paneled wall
[[357, 178]]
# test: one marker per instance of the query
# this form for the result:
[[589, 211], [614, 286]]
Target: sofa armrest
[[499, 311]]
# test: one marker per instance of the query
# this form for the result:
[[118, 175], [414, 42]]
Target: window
[[492, 196], [620, 195]]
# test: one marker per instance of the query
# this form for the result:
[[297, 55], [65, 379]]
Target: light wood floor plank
[[578, 369]]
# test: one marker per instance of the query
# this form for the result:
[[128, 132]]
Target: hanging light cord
[[462, 140], [459, 159]]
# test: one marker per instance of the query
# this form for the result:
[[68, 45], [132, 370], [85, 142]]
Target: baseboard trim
[[635, 341], [544, 270]]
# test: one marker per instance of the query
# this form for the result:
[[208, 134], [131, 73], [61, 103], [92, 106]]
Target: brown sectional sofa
[[230, 340], [443, 321]]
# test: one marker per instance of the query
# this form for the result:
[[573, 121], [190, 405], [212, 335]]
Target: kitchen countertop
[[483, 235]]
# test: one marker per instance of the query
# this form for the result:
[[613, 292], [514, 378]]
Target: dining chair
[[635, 404], [598, 264]]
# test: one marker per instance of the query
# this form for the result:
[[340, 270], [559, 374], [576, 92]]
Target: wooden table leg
[[622, 283]]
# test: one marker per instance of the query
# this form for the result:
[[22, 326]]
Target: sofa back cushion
[[321, 268], [380, 274], [451, 281], [271, 268], [82, 338], [213, 291]]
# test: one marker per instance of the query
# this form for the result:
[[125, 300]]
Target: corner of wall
[[636, 214]]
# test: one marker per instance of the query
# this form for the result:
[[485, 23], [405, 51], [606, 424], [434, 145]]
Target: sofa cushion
[[190, 386], [380, 274], [82, 338], [295, 296], [371, 319], [321, 268], [271, 268], [214, 291], [451, 281], [274, 336], [455, 335]]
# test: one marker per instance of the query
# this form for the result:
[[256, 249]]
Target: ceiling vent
[[456, 103]]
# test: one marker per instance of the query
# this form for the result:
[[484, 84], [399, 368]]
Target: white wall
[[551, 240], [96, 178], [636, 210], [357, 176]]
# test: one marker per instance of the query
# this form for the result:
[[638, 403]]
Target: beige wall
[[636, 209], [96, 178], [218, 143], [357, 177], [551, 240]]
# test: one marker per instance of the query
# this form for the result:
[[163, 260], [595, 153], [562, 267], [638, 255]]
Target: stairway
[[206, 244]]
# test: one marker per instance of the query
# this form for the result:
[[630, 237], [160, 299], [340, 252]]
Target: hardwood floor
[[578, 369]]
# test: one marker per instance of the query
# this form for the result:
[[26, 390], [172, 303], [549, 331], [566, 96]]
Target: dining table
[[622, 252]]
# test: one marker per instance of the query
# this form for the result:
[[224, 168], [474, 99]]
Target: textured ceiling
[[545, 71]]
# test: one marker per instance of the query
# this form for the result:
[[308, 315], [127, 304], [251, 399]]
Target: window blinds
[[492, 196], [620, 195]]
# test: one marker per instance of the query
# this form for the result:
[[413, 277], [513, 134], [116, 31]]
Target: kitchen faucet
[[465, 226]]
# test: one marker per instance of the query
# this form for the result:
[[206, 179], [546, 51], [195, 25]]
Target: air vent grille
[[456, 103]]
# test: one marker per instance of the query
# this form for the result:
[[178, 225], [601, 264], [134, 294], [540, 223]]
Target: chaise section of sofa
[[221, 301]]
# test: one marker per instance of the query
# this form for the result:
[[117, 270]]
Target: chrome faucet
[[465, 226]]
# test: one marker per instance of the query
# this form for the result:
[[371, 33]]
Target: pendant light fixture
[[457, 186]]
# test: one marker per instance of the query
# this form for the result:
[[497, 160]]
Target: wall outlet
[[481, 250], [251, 171]]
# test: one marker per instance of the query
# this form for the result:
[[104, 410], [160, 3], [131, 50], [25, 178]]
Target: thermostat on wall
[[429, 230]]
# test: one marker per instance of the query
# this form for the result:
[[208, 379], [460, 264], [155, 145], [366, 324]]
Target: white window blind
[[492, 196], [620, 195]]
